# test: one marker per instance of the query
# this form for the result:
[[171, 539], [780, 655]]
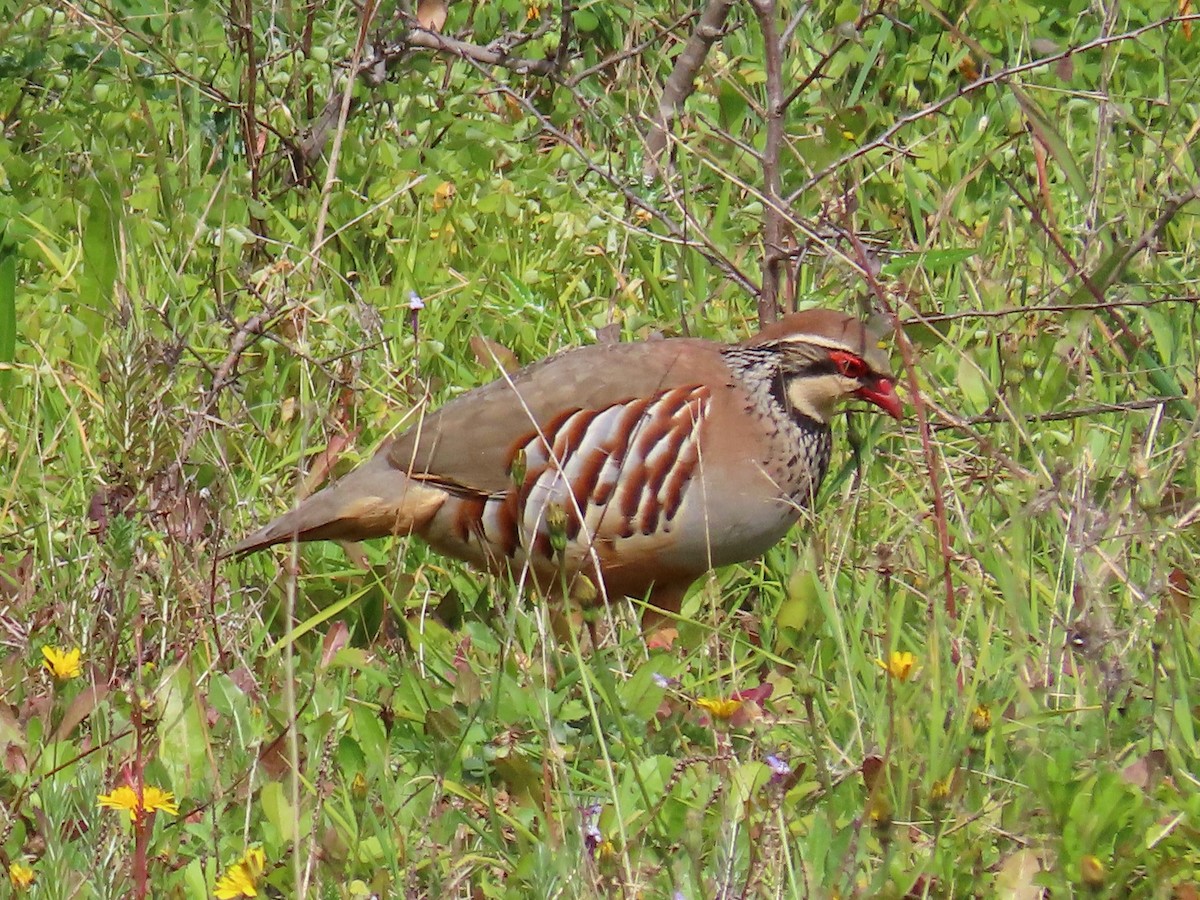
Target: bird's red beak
[[883, 394]]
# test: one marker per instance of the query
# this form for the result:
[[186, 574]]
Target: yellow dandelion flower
[[443, 194], [899, 665], [152, 800], [879, 812], [20, 876], [243, 877], [62, 664], [939, 794], [981, 719], [721, 708]]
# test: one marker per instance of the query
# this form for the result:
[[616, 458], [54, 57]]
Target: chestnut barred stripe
[[625, 468]]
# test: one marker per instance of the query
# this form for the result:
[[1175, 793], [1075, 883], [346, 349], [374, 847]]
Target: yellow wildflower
[[718, 707], [62, 664], [879, 811], [981, 719], [899, 665], [152, 800], [940, 792], [20, 875], [443, 194], [243, 877], [532, 12]]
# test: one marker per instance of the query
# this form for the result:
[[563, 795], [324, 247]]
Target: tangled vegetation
[[239, 244]]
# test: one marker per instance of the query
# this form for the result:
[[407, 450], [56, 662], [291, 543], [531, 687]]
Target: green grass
[[412, 728]]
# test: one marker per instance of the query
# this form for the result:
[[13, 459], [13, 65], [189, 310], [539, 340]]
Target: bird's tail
[[374, 500]]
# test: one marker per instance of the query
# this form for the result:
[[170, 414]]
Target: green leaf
[[932, 261], [100, 242], [8, 316], [184, 748], [368, 728], [278, 810], [973, 386], [732, 108]]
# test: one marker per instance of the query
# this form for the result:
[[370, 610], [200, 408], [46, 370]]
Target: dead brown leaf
[[324, 461], [1145, 772], [490, 353], [16, 580], [337, 637], [431, 14], [1180, 592], [82, 706], [1015, 877], [106, 502]]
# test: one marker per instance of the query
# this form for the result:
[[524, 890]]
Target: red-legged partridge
[[637, 466]]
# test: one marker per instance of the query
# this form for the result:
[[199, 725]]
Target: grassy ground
[[382, 721]]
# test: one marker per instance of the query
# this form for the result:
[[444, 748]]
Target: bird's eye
[[848, 364]]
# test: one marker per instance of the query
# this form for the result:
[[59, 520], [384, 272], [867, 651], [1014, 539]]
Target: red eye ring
[[848, 364]]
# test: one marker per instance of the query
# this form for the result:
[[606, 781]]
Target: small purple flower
[[663, 681], [414, 301], [779, 768], [592, 837]]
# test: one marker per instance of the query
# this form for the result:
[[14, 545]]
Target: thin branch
[[773, 233], [376, 66], [797, 18], [488, 56], [609, 61], [682, 82], [369, 9], [826, 57], [938, 318], [1062, 415], [247, 333]]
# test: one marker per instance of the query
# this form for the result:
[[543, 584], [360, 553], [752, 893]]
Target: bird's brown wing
[[469, 443]]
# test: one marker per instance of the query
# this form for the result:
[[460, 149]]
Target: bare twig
[[773, 250], [249, 106], [370, 8], [1171, 207], [833, 51], [247, 333], [1062, 415], [339, 103], [487, 56], [681, 82], [938, 318], [636, 50]]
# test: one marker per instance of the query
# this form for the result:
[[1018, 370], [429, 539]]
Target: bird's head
[[824, 357]]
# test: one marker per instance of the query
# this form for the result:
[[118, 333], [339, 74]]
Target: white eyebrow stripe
[[816, 341]]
